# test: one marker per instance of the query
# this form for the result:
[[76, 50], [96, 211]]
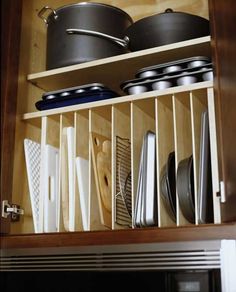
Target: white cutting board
[[50, 188], [33, 157], [82, 167]]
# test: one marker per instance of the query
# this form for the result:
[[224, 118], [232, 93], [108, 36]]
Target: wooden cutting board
[[101, 156]]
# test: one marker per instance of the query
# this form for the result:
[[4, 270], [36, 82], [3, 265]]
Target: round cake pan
[[207, 76], [171, 69], [185, 188], [136, 89], [147, 74], [196, 63], [185, 80]]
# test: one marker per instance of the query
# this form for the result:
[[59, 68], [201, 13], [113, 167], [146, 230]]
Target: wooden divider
[[198, 104], [165, 145], [183, 139], [50, 135], [142, 120], [176, 120], [81, 122], [65, 122], [120, 128], [100, 168], [214, 156]]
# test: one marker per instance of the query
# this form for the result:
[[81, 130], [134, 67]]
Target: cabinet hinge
[[11, 209], [221, 192]]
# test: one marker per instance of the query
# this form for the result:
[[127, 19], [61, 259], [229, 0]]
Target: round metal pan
[[168, 186], [185, 188]]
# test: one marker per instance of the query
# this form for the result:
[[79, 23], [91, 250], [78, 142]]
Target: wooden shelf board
[[117, 100], [114, 70], [124, 236]]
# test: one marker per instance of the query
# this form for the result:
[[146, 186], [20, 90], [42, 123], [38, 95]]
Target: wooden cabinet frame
[[223, 42]]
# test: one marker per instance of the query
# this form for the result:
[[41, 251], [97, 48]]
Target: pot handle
[[121, 42], [43, 10]]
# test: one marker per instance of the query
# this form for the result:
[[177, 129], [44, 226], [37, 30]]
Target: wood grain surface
[[101, 156], [124, 236]]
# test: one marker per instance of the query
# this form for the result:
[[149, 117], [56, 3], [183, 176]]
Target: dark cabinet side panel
[[10, 40], [222, 17]]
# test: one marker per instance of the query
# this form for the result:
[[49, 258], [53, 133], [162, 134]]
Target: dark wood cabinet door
[[222, 18], [10, 42]]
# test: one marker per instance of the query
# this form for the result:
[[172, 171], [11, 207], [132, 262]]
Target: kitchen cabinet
[[130, 116]]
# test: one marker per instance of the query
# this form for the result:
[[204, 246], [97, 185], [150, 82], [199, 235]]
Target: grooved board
[[32, 157], [101, 156]]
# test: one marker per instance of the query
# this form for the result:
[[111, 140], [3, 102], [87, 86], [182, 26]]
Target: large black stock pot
[[65, 48]]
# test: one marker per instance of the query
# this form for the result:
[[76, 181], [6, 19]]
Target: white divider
[[214, 155], [50, 136], [81, 122], [165, 145], [198, 103], [121, 128], [183, 140], [100, 135], [142, 120]]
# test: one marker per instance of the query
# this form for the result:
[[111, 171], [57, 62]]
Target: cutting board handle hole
[[97, 142], [106, 180]]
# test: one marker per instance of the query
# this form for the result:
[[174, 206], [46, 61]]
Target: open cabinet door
[[222, 18], [10, 41]]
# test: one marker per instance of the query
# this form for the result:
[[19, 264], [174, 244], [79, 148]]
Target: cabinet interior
[[174, 115]]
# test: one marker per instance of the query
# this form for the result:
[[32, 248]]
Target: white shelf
[[117, 100]]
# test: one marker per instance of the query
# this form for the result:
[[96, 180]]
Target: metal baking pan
[[137, 86], [75, 91], [185, 188], [168, 186], [74, 99], [174, 66], [145, 213], [205, 196]]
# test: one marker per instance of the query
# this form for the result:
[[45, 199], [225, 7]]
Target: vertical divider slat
[[133, 190], [121, 135], [78, 218], [195, 143], [113, 167], [66, 120], [100, 124], [214, 155], [158, 172], [142, 120], [198, 103], [90, 173], [44, 124], [61, 224], [183, 141], [164, 146]]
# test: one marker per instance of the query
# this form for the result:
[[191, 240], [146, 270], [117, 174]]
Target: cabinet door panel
[[10, 40], [222, 17]]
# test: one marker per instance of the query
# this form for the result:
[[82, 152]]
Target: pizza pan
[[185, 188]]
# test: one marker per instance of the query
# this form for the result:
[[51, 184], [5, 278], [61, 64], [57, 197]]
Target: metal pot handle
[[121, 42], [43, 10]]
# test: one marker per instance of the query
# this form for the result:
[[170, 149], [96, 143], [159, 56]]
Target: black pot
[[156, 30], [166, 28], [64, 48]]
